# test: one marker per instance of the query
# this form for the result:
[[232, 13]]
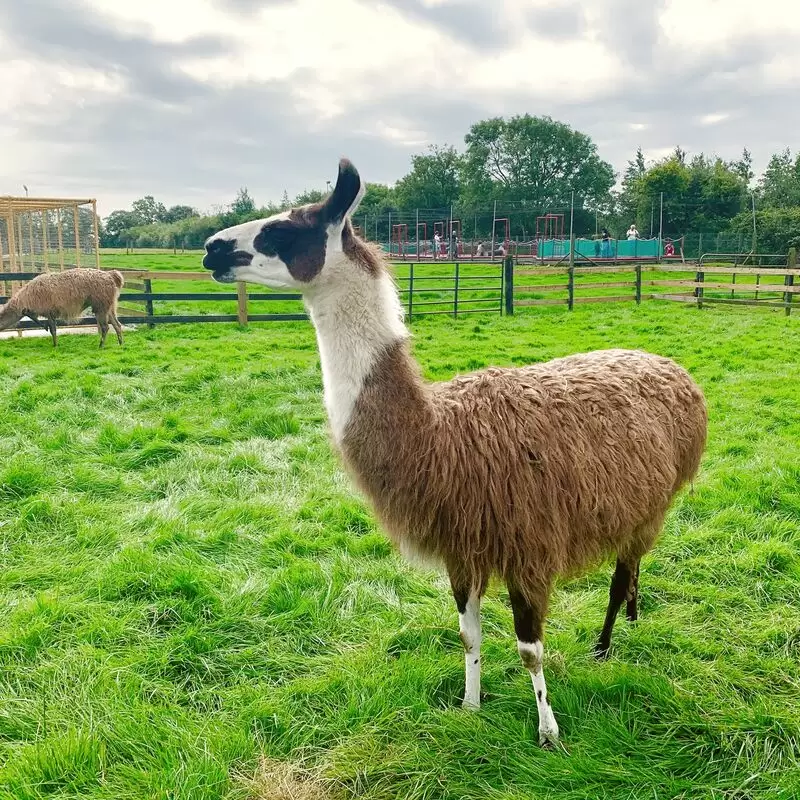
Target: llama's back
[[561, 461], [68, 293]]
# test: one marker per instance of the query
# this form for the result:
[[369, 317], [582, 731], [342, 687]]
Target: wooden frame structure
[[38, 234]]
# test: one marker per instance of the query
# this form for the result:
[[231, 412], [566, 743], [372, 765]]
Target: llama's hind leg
[[468, 602], [529, 626], [631, 610], [624, 584], [51, 324], [115, 324]]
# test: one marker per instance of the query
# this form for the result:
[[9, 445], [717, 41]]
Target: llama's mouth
[[224, 277]]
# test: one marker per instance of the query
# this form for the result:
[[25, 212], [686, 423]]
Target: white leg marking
[[469, 626], [532, 656]]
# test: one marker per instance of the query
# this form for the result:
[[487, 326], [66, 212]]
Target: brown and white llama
[[65, 295], [524, 473]]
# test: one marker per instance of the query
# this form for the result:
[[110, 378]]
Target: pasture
[[193, 600]]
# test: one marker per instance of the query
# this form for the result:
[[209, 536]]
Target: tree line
[[520, 168]]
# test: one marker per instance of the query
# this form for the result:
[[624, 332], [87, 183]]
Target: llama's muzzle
[[222, 258]]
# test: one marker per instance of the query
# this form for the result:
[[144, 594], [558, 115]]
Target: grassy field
[[194, 603]]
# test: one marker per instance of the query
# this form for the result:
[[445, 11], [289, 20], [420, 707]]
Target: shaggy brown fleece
[[64, 296], [527, 472]]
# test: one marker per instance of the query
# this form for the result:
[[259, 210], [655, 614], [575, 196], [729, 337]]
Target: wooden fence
[[769, 286], [425, 289], [456, 289]]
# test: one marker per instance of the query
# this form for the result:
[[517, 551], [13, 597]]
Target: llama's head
[[9, 315], [292, 249]]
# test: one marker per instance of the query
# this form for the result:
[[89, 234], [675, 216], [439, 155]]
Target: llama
[[64, 295], [524, 473]]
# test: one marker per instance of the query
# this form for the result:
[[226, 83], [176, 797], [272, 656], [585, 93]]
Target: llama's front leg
[[528, 624], [468, 603]]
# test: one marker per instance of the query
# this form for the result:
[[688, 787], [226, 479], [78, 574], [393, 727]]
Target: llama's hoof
[[548, 736], [601, 651]]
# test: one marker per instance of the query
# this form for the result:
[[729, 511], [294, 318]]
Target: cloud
[[191, 99]]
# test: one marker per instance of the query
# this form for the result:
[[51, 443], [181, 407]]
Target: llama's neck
[[357, 322]]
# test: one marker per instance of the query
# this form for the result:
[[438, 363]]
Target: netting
[[40, 235]]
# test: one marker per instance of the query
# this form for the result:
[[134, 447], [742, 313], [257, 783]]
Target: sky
[[188, 100]]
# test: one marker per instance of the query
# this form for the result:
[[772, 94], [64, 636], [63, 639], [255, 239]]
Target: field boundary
[[456, 289]]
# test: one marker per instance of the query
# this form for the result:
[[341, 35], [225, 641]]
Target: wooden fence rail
[[690, 280], [455, 289], [424, 291]]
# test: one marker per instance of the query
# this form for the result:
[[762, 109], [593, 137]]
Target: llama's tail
[[117, 277]]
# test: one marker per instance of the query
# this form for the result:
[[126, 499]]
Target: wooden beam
[[45, 241], [60, 240], [96, 235], [76, 221]]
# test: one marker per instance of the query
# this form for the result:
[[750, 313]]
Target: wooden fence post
[[148, 303], [638, 284], [508, 283], [241, 292], [571, 288], [791, 262], [698, 292]]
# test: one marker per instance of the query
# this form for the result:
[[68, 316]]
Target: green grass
[[189, 583]]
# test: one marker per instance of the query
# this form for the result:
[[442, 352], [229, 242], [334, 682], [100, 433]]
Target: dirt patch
[[276, 780]]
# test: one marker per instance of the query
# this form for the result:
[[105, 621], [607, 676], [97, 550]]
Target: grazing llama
[[64, 295], [526, 473]]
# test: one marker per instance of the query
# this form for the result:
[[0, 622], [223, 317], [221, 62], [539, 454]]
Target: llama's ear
[[346, 194]]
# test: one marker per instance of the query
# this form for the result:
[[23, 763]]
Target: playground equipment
[[399, 235], [507, 232], [422, 244], [550, 226]]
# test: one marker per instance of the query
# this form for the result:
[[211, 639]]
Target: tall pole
[[571, 231], [96, 235], [450, 248], [416, 234], [753, 197], [660, 225], [494, 219], [652, 212]]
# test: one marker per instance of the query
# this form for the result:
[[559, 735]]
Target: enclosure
[[38, 234], [194, 594]]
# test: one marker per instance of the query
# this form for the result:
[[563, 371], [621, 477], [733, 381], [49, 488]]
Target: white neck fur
[[356, 317]]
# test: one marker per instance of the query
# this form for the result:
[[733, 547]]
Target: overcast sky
[[190, 99]]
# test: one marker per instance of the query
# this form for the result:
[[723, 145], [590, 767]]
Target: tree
[[309, 196], [148, 211], [117, 223], [177, 213], [434, 180], [536, 160], [243, 205], [743, 167], [628, 200], [780, 185], [703, 195]]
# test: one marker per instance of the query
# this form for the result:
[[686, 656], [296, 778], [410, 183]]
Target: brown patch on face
[[298, 241]]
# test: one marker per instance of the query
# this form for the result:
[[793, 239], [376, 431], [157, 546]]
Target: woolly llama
[[524, 473], [64, 295]]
